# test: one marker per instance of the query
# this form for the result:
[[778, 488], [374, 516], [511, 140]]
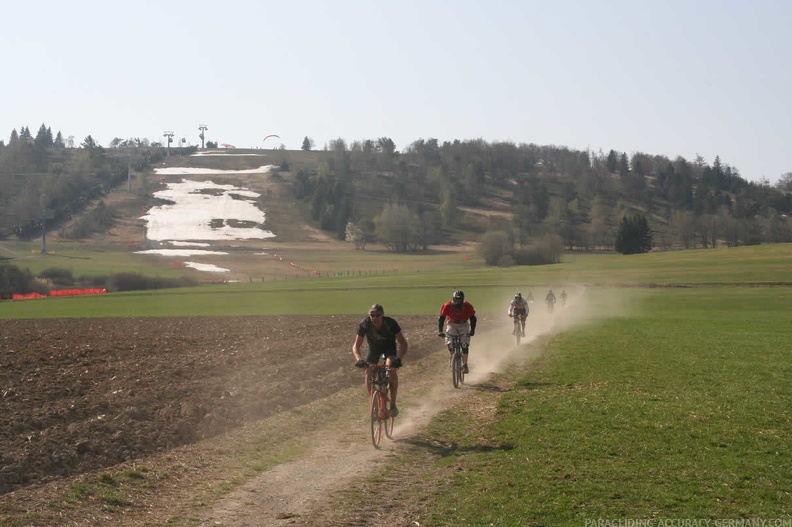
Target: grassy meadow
[[409, 285], [680, 409]]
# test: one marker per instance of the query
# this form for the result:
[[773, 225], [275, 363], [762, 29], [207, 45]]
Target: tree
[[624, 165], [307, 144], [600, 232], [43, 137], [612, 163], [784, 183], [394, 227], [386, 146], [354, 234], [634, 235], [493, 246]]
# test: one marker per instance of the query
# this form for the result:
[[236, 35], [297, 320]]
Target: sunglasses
[[375, 315]]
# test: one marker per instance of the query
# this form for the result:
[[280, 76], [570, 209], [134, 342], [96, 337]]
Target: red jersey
[[457, 313]]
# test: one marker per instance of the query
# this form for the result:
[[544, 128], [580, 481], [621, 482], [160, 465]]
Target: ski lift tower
[[202, 128], [46, 214], [168, 140]]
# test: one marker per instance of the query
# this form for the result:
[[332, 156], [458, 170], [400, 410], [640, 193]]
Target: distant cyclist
[[518, 307], [382, 334], [563, 297], [461, 319], [530, 298], [550, 300]]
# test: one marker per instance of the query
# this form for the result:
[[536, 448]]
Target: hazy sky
[[674, 77]]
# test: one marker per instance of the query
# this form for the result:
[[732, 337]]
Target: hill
[[513, 201]]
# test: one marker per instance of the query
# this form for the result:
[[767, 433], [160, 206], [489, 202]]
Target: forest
[[366, 190]]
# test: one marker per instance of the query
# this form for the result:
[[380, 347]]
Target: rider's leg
[[394, 385], [368, 380]]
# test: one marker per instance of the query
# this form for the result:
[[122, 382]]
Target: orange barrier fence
[[71, 292], [17, 296], [60, 292]]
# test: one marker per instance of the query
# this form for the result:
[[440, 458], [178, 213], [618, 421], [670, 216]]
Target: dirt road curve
[[153, 412]]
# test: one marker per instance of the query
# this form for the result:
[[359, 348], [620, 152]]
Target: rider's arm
[[440, 323], [356, 347], [402, 342], [473, 323]]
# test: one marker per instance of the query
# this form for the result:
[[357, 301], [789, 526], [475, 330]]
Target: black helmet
[[376, 309], [458, 295], [518, 295]]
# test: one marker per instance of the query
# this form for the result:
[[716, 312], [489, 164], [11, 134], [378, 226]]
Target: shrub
[[58, 276], [138, 282]]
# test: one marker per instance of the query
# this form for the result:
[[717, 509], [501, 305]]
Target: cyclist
[[382, 334], [518, 307], [550, 300], [563, 297], [530, 298], [461, 321]]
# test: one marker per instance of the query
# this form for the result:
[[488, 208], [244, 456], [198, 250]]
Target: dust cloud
[[493, 348]]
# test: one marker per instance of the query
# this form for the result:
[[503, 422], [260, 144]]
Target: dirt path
[[304, 492]]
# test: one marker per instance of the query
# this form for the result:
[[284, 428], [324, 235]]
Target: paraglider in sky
[[227, 145], [271, 135]]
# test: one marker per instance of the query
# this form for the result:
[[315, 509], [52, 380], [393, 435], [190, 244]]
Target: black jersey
[[381, 340]]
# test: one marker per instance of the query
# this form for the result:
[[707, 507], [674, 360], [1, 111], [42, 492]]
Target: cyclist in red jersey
[[459, 318]]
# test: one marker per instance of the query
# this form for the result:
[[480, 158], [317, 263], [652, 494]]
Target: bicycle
[[518, 328], [457, 371], [380, 403]]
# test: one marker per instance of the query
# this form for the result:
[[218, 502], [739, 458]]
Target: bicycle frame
[[379, 403], [518, 328]]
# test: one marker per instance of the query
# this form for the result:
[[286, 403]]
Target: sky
[[662, 77]]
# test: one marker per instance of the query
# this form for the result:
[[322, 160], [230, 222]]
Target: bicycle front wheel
[[456, 369], [377, 415], [388, 423], [517, 331]]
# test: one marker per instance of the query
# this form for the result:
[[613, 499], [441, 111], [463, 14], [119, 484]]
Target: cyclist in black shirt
[[382, 334]]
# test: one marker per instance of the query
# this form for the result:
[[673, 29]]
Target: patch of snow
[[179, 252], [184, 171], [190, 244], [209, 268], [204, 211], [216, 153]]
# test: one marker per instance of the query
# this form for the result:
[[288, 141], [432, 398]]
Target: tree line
[[46, 179], [367, 191]]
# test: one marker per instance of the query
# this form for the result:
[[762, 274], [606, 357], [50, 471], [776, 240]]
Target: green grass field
[[682, 409], [402, 287]]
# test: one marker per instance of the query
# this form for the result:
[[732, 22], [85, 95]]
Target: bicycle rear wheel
[[376, 413]]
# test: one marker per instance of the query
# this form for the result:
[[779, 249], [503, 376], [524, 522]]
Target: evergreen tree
[[612, 162], [634, 235]]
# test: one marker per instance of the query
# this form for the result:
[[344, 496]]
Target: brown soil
[[199, 421]]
